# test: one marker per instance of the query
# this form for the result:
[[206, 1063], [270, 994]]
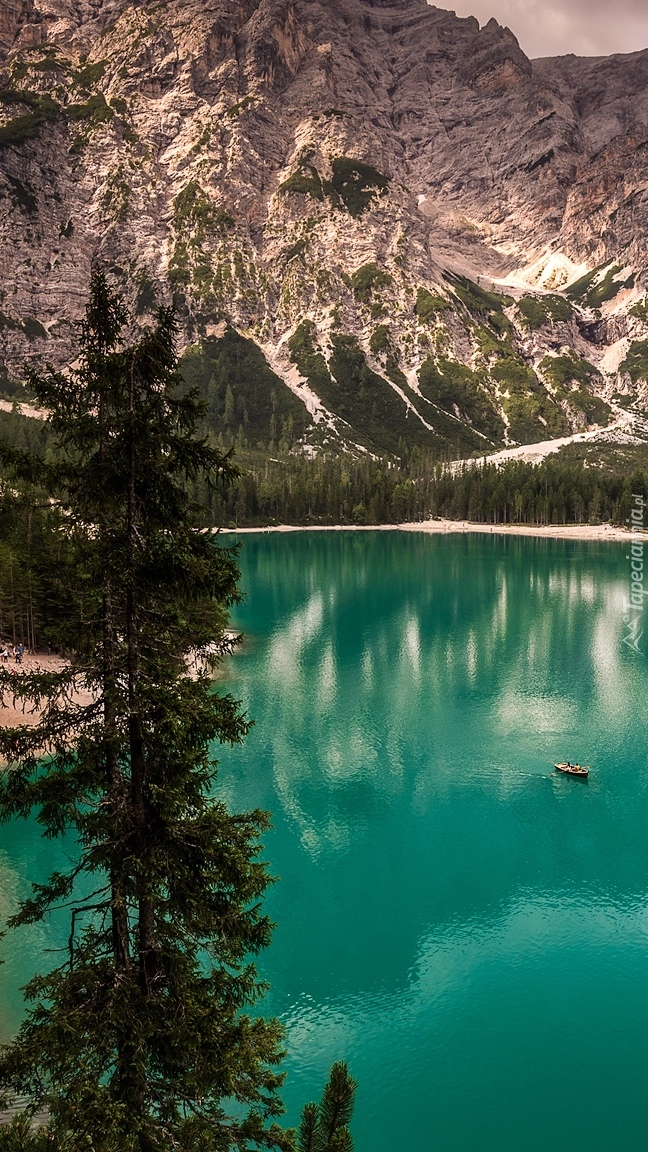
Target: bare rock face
[[313, 171]]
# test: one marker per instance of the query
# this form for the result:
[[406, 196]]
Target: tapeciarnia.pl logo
[[633, 609]]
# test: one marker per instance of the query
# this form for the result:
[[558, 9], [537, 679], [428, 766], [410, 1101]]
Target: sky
[[555, 27]]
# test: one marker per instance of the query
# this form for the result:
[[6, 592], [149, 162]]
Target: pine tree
[[325, 1127], [139, 1040]]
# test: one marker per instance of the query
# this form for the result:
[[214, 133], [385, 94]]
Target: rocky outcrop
[[252, 160]]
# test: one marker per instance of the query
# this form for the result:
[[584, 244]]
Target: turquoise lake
[[468, 930]]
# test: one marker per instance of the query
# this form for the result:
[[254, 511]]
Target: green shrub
[[490, 345], [354, 184], [27, 127], [532, 312], [532, 413], [89, 76], [570, 375], [636, 362], [513, 374], [640, 310], [595, 410], [500, 323], [475, 298], [242, 392], [296, 249], [456, 388], [429, 306], [534, 418], [380, 341], [95, 110], [33, 329], [242, 106], [368, 279], [20, 96], [305, 181], [194, 211], [395, 374], [591, 294], [562, 370], [537, 312]]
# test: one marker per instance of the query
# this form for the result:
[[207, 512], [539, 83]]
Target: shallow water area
[[466, 928]]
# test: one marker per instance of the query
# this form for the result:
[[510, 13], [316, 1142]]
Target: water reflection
[[412, 665], [452, 918], [455, 920]]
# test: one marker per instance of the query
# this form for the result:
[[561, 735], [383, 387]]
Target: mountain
[[382, 225]]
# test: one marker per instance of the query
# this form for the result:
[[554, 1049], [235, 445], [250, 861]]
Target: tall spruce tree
[[139, 1040]]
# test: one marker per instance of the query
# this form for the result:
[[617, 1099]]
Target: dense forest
[[280, 485], [333, 488], [340, 490]]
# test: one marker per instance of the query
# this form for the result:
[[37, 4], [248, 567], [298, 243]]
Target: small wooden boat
[[573, 770]]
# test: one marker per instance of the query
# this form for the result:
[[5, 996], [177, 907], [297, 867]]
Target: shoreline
[[15, 714], [596, 532]]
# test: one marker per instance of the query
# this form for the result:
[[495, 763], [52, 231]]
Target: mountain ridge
[[385, 197]]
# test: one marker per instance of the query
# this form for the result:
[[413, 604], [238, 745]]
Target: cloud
[[556, 27]]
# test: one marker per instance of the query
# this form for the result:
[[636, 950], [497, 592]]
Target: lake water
[[466, 929]]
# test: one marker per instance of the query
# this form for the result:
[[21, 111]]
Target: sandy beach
[[604, 532], [14, 713]]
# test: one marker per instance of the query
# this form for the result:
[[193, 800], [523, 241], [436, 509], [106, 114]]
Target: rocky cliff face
[[433, 239]]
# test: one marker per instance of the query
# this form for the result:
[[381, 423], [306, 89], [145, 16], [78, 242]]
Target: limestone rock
[[253, 159]]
